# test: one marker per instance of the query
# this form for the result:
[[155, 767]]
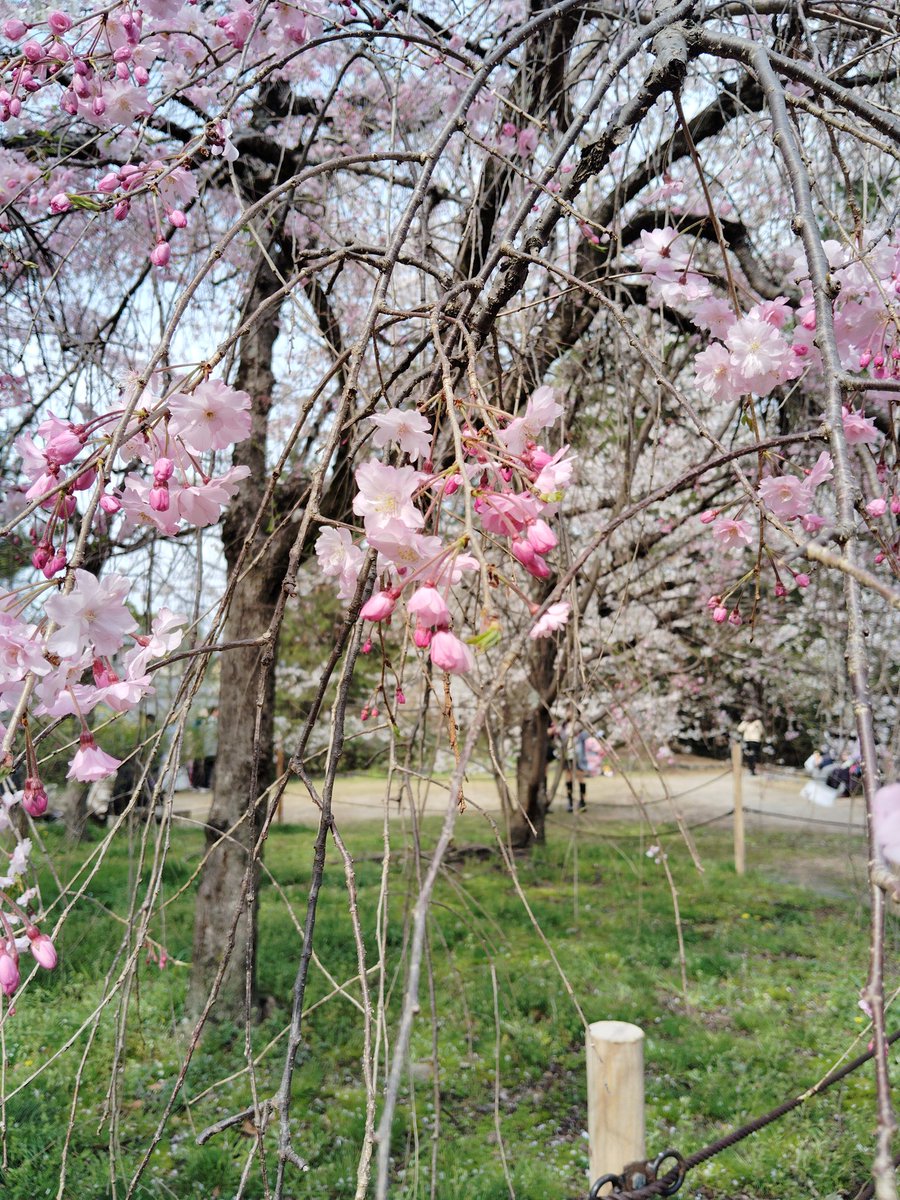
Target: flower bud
[[709, 516], [14, 29], [33, 51], [110, 504], [380, 607], [801, 580], [159, 498], [34, 797], [720, 614], [161, 253], [162, 470], [877, 508], [178, 219], [42, 949], [9, 973], [59, 22]]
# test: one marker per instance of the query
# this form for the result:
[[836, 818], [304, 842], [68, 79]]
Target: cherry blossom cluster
[[17, 914], [514, 485], [179, 485], [752, 354]]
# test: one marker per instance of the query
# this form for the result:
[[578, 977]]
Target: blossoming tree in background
[[534, 328]]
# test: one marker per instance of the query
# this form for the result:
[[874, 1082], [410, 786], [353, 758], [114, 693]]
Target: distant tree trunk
[[527, 821], [255, 596]]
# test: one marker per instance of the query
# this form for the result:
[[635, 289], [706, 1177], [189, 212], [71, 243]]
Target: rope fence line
[[670, 1183]]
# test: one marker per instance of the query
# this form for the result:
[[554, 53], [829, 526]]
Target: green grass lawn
[[774, 972]]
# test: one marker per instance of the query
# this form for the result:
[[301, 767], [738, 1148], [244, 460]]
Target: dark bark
[[526, 823], [235, 816]]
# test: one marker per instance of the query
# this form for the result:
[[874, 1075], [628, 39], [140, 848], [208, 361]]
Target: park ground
[[773, 966]]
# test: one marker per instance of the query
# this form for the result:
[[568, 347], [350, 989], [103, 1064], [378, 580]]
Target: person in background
[[751, 732]]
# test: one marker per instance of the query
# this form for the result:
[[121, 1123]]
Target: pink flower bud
[[428, 606], [714, 602], [55, 564], [735, 618], [380, 607], [159, 498], [69, 102], [178, 219], [41, 556], [33, 51], [121, 71], [401, 699], [110, 504], [541, 536], [780, 589], [364, 715], [14, 29], [43, 950], [801, 580], [800, 350], [452, 485], [809, 321], [141, 76], [161, 253], [108, 184], [59, 22], [524, 552], [120, 212], [34, 797], [80, 67], [720, 614], [449, 654], [895, 505], [366, 647], [878, 361], [877, 508], [122, 54], [709, 516], [162, 470], [422, 638], [864, 359], [98, 106], [9, 973], [373, 712], [85, 480]]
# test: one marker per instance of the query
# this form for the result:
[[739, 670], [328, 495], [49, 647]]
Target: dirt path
[[697, 790]]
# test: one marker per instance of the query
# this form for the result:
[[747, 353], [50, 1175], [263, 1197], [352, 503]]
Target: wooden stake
[[615, 1085], [279, 771], [737, 781]]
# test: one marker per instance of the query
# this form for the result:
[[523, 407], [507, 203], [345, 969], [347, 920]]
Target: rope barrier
[[670, 1183]]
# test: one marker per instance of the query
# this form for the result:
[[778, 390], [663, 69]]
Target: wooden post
[[615, 1085], [737, 780], [279, 771]]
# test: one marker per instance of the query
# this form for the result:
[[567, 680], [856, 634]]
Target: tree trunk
[[235, 816], [527, 821]]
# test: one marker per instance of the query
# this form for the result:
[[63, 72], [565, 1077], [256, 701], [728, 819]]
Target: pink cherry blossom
[[784, 495], [557, 474], [407, 427], [730, 533], [715, 375], [542, 410], [91, 763], [211, 417], [94, 613], [385, 494], [556, 617], [759, 354], [858, 428]]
